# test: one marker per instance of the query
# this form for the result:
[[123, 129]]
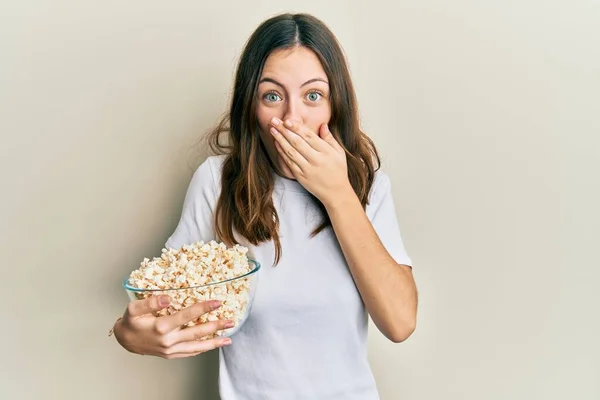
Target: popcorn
[[197, 272]]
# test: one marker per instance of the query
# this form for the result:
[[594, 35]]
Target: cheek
[[316, 117], [268, 141], [264, 116]]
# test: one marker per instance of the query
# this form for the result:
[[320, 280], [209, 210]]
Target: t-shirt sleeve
[[382, 214], [196, 222]]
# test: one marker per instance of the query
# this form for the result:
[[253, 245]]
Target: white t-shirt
[[306, 336]]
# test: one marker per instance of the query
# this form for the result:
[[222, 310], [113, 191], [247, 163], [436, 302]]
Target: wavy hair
[[245, 203]]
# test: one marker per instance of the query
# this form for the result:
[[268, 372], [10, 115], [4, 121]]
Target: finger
[[137, 308], [311, 138], [295, 147], [291, 165], [291, 145], [181, 355], [285, 168], [169, 323], [197, 346], [328, 137], [199, 331]]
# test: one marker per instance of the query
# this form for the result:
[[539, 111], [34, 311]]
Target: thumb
[[149, 305]]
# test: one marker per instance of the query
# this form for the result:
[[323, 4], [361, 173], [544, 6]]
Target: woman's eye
[[271, 97], [314, 96]]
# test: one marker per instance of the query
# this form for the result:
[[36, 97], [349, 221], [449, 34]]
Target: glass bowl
[[236, 295]]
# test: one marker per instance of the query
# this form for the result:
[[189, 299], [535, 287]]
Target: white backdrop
[[486, 114]]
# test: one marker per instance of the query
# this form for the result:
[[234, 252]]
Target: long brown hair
[[245, 204]]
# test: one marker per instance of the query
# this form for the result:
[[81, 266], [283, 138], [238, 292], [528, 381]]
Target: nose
[[293, 111]]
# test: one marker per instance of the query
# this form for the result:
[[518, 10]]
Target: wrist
[[341, 199]]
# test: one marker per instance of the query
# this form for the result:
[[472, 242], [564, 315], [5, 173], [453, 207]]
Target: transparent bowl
[[236, 295]]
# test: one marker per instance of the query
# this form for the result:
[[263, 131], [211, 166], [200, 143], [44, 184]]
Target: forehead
[[295, 64]]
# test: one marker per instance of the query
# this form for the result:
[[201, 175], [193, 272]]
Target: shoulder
[[216, 162], [209, 171], [382, 184], [212, 166], [206, 180], [380, 193]]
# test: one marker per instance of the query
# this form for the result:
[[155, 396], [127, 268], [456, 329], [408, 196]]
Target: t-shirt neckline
[[289, 185]]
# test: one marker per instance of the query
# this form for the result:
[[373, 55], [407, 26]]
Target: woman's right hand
[[140, 332]]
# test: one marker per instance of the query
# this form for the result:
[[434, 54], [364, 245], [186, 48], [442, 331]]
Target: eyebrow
[[304, 84]]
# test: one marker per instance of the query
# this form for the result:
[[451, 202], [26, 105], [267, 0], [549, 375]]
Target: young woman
[[299, 183]]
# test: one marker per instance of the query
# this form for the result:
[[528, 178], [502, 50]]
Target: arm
[[387, 288], [139, 330]]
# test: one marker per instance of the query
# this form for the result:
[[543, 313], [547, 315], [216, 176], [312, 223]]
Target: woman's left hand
[[316, 160]]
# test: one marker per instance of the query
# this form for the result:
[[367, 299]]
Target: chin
[[277, 163], [286, 173], [283, 170]]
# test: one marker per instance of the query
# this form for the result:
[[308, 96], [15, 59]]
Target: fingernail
[[215, 304], [288, 123], [274, 131], [164, 301], [226, 342], [229, 325], [275, 121]]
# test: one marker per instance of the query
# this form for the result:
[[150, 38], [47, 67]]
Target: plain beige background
[[486, 114]]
